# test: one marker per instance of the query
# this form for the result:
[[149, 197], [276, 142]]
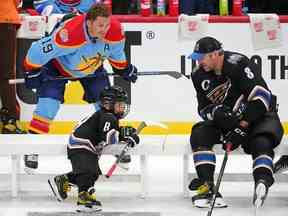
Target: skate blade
[[83, 209], [52, 186], [260, 193], [219, 203]]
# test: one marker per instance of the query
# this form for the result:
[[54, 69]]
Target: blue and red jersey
[[74, 52]]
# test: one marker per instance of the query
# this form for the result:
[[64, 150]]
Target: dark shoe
[[260, 193], [204, 197], [60, 186], [281, 165]]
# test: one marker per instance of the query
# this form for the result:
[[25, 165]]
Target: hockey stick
[[221, 173], [173, 74], [124, 151]]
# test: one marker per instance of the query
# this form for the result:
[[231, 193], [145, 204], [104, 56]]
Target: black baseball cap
[[203, 46]]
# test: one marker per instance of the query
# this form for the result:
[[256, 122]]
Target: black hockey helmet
[[203, 46], [110, 96]]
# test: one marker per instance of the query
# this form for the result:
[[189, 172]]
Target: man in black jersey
[[86, 143], [237, 107]]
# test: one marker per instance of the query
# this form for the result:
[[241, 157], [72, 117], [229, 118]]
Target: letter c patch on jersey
[[205, 85]]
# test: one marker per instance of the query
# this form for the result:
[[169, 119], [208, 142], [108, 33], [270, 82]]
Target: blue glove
[[35, 78], [130, 74]]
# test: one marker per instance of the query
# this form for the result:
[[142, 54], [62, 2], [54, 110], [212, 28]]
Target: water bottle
[[173, 7], [237, 8], [223, 8], [161, 7], [145, 8]]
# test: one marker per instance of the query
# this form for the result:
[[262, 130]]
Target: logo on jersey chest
[[216, 92]]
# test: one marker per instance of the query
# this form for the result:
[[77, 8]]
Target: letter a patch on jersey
[[63, 34]]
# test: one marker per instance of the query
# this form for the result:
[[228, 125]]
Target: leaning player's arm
[[257, 93], [47, 48], [117, 58]]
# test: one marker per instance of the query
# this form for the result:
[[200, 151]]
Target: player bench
[[17, 145]]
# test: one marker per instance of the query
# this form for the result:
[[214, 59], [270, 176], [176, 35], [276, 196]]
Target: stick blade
[[174, 74], [157, 124], [140, 127]]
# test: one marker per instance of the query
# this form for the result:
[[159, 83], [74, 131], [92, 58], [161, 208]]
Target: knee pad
[[204, 137], [262, 145], [47, 107]]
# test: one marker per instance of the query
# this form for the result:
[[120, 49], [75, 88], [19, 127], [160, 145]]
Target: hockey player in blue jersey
[[77, 49], [48, 7]]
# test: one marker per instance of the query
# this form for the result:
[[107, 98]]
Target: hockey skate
[[204, 197], [195, 184], [9, 123], [281, 165], [31, 164], [87, 201], [260, 193], [59, 186]]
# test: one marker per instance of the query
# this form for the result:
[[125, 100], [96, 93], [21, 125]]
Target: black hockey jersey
[[95, 131], [238, 83]]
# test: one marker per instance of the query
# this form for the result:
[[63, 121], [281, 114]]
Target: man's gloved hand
[[132, 140], [236, 137], [35, 78], [128, 135], [224, 118], [126, 131], [130, 74]]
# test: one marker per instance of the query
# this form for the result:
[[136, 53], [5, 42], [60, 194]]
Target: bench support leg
[[143, 175], [185, 175], [15, 166]]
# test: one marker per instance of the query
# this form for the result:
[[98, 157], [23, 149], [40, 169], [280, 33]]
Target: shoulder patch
[[115, 32], [63, 34], [72, 33], [234, 58]]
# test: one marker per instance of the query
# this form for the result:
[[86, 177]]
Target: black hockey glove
[[132, 140], [224, 118], [35, 78], [237, 136], [126, 131], [130, 73], [128, 135]]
